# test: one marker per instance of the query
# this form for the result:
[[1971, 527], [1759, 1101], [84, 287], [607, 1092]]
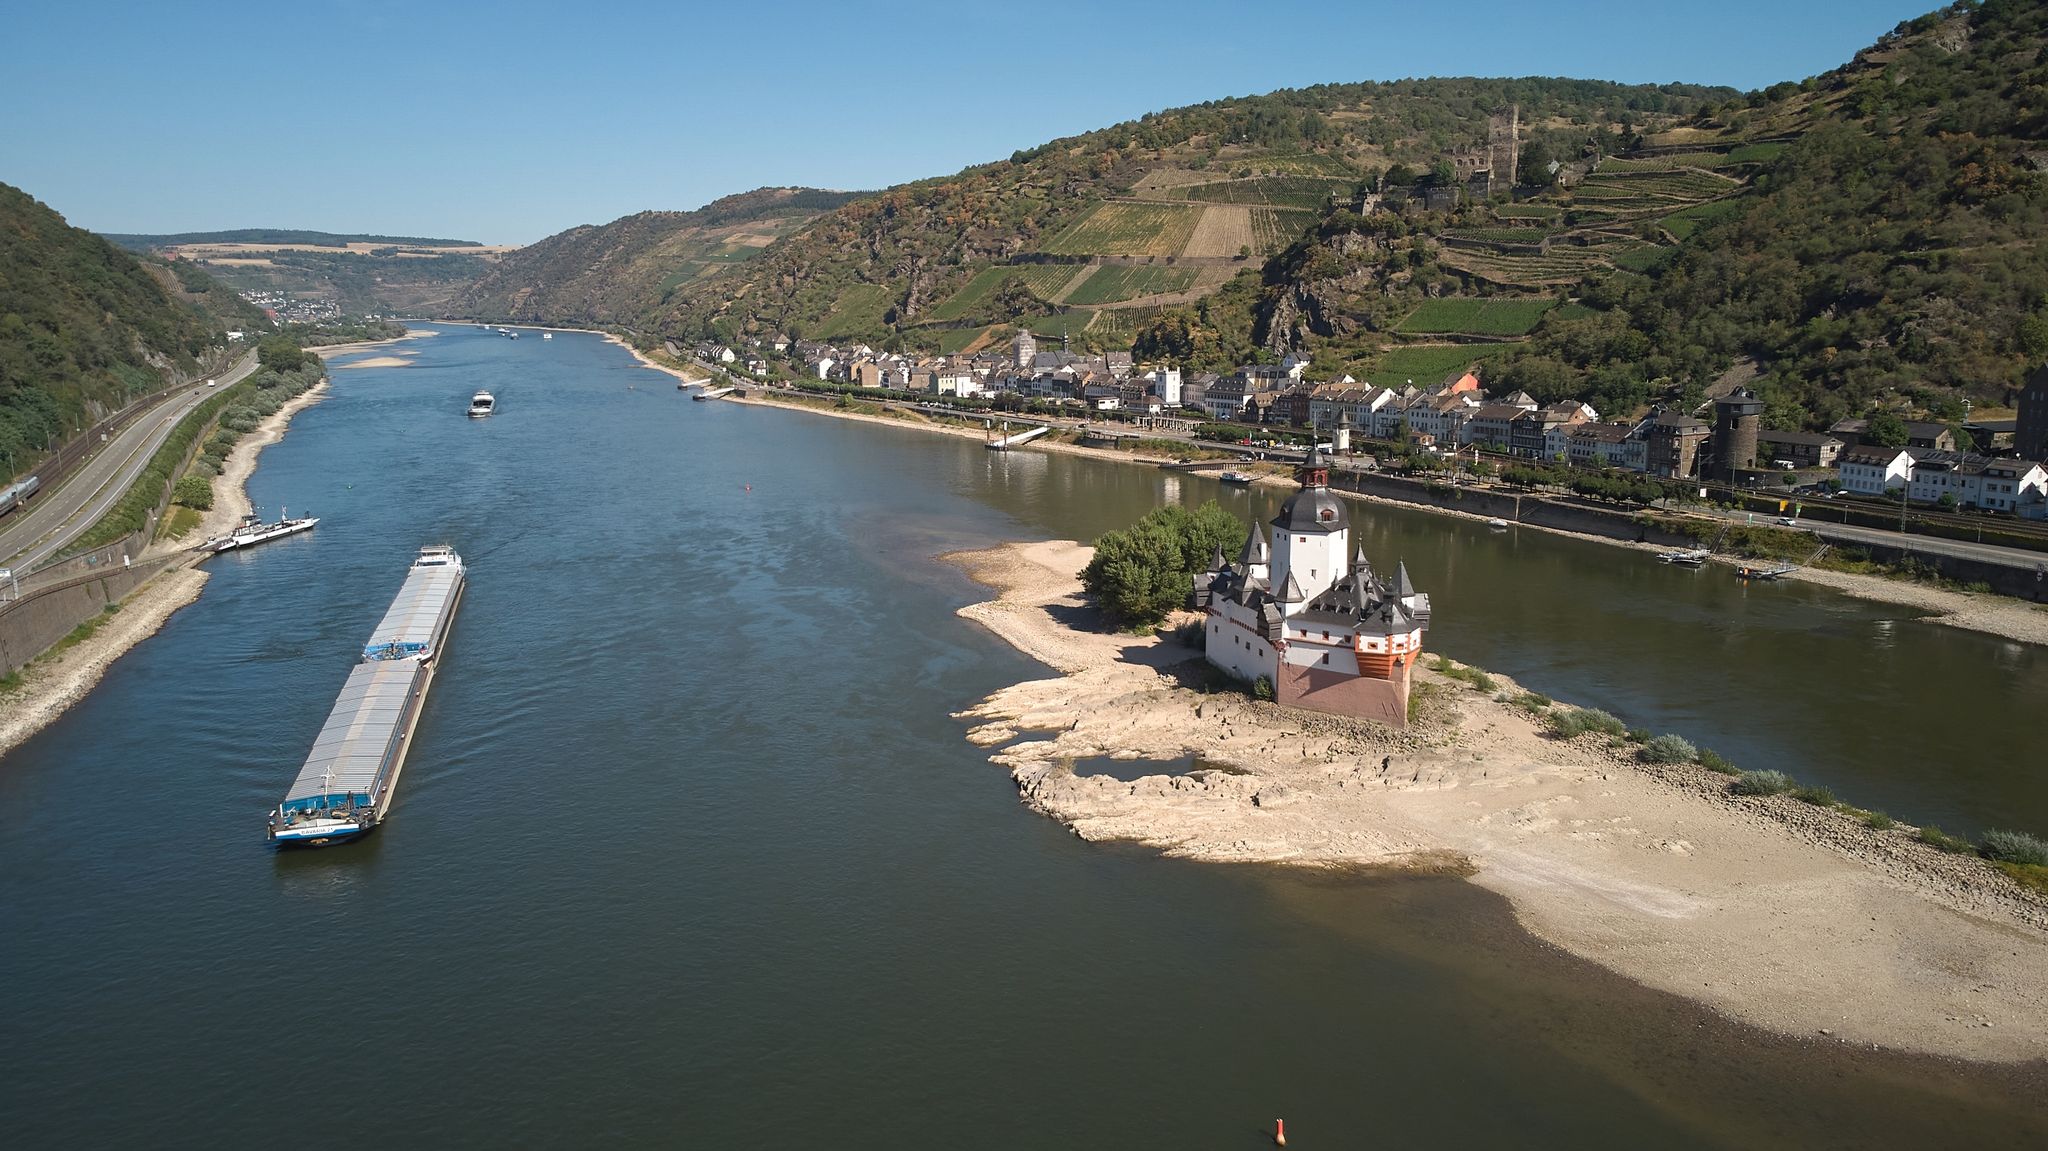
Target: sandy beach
[[1776, 913], [650, 362]]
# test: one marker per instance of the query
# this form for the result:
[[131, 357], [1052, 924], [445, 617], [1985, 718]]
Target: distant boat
[[1690, 557], [1498, 525], [1763, 572], [1237, 479], [482, 404], [547, 335]]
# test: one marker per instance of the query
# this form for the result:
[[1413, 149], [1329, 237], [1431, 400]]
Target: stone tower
[[1738, 417], [1023, 349]]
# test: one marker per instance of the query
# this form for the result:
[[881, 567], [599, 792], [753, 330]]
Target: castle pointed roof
[[1291, 592], [1218, 564], [1403, 586], [1254, 548]]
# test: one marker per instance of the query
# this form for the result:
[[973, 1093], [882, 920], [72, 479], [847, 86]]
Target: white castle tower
[[1311, 617]]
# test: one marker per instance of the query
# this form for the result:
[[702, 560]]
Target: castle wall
[[1382, 700], [1237, 649]]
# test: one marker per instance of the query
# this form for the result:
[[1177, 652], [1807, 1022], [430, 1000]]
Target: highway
[[53, 519], [1850, 534]]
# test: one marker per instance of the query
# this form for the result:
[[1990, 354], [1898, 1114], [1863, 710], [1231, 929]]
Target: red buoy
[[1279, 1132]]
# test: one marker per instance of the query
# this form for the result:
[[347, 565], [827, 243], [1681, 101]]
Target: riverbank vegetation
[[1140, 574], [86, 327], [285, 371]]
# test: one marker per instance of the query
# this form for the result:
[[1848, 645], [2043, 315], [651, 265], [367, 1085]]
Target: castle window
[[1326, 657]]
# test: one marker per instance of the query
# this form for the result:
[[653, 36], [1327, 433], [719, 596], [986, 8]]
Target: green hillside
[[86, 326], [626, 271], [1214, 189], [156, 242]]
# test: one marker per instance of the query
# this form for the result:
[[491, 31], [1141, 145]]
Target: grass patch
[[1645, 259], [858, 310], [2025, 874], [1472, 677], [178, 521], [1755, 153], [1817, 796], [1428, 366], [1761, 783], [1683, 224], [1941, 840], [1713, 761], [1532, 702], [1877, 820], [1514, 317]]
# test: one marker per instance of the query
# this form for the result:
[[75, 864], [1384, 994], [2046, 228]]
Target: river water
[[688, 849]]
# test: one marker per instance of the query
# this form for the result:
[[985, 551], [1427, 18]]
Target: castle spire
[[1254, 548]]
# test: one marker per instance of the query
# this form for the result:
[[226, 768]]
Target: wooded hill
[[1860, 237], [85, 326], [626, 272]]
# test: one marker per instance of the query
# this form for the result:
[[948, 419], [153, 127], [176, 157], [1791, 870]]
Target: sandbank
[[1778, 914]]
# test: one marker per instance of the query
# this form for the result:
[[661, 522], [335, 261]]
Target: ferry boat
[[1237, 479], [482, 404], [350, 778], [1689, 557], [252, 531]]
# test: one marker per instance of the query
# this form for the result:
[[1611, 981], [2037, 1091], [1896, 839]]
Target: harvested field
[[1127, 229], [1225, 230]]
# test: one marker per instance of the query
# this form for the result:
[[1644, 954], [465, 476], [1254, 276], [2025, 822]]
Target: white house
[[1873, 471]]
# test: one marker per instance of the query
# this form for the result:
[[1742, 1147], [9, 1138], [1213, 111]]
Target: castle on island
[[1311, 616]]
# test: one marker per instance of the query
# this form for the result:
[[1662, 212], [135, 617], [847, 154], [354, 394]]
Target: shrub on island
[[1668, 749], [1761, 783], [1573, 722], [1145, 571], [2014, 847]]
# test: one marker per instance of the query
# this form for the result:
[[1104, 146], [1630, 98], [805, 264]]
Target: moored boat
[[1237, 479], [350, 778], [482, 404], [1689, 557], [252, 531]]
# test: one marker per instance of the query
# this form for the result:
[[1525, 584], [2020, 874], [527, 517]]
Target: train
[[15, 495]]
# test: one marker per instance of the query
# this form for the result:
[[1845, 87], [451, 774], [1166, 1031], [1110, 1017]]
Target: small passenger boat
[[1237, 479], [482, 404]]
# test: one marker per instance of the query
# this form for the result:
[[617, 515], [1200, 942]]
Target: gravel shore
[[1776, 913]]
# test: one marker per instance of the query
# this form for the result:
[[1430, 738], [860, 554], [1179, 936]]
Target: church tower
[[1312, 533]]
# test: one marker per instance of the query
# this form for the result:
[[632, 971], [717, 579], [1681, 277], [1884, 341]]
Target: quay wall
[[47, 613]]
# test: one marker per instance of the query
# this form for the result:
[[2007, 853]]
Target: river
[[689, 849]]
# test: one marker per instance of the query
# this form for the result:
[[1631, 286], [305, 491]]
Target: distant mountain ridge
[[624, 272], [149, 242]]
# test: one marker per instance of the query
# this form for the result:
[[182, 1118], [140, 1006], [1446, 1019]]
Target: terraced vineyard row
[[1045, 281], [1498, 317], [1112, 283], [1275, 228], [1127, 229], [1305, 192], [1564, 264]]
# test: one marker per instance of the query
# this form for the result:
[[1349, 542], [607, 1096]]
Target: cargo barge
[[350, 778]]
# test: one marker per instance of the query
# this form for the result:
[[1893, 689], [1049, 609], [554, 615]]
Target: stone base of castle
[[1382, 700]]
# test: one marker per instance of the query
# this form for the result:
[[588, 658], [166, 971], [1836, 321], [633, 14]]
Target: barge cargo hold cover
[[349, 780]]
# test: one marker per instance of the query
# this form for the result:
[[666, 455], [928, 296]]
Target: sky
[[506, 122]]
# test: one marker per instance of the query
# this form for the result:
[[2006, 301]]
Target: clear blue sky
[[506, 122]]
